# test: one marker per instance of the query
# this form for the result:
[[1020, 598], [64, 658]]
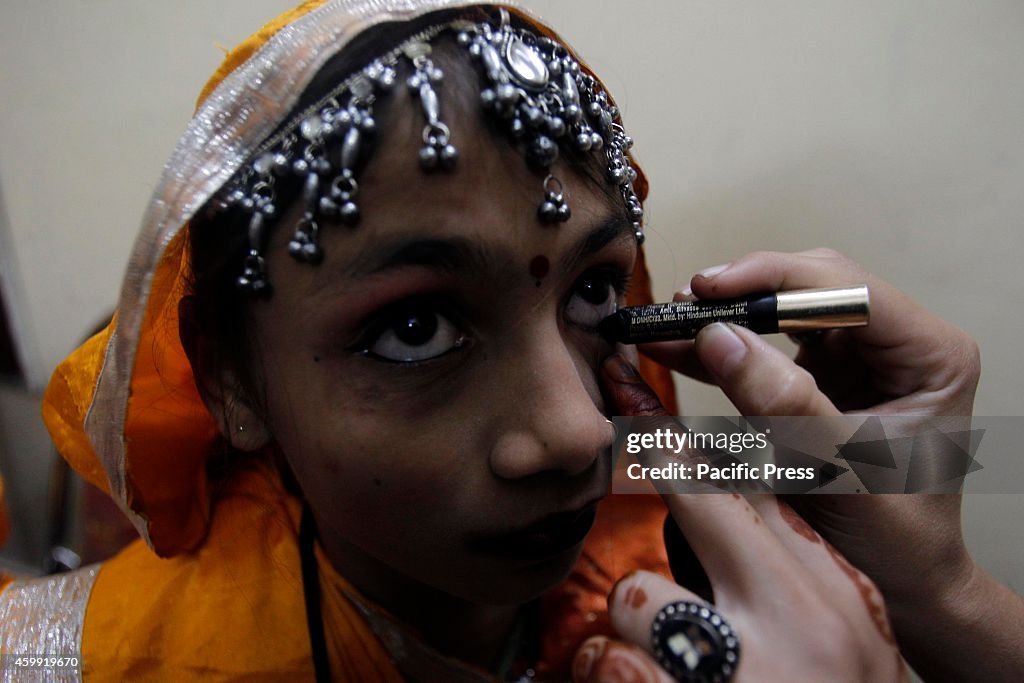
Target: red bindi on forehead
[[539, 268]]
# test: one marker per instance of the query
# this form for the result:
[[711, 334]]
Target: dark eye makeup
[[594, 296], [414, 330], [420, 329]]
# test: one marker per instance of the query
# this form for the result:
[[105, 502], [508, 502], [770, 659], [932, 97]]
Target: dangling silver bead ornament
[[553, 209], [438, 152], [254, 273]]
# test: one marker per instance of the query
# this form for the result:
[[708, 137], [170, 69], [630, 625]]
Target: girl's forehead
[[481, 224]]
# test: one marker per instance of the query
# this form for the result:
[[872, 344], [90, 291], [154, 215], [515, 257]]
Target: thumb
[[758, 378], [626, 391]]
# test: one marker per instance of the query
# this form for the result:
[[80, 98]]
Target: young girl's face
[[433, 383]]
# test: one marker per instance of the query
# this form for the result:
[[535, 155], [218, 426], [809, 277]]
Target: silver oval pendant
[[526, 65]]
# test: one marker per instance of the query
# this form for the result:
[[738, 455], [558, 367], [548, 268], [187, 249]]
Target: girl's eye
[[593, 298], [414, 331]]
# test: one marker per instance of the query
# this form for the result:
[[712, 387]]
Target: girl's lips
[[547, 537]]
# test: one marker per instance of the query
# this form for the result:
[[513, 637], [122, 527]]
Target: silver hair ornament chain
[[532, 86]]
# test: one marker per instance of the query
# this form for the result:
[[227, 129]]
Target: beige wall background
[[891, 130]]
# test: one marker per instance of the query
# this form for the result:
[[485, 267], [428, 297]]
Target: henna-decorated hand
[[801, 611], [906, 361]]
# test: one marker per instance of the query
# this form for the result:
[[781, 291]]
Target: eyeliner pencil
[[793, 311]]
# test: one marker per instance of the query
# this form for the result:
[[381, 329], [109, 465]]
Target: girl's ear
[[219, 387]]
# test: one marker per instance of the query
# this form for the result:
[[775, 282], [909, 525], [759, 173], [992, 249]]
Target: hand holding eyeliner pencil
[[793, 311]]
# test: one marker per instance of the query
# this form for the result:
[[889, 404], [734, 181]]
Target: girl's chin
[[519, 583]]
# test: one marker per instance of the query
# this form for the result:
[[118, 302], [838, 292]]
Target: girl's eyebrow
[[458, 253], [442, 254], [613, 228], [446, 254]]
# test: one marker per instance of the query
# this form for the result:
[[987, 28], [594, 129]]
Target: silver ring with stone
[[694, 644]]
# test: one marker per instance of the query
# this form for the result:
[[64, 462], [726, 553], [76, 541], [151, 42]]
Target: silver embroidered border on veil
[[44, 618], [225, 131]]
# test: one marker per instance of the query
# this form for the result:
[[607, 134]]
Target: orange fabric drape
[[231, 611]]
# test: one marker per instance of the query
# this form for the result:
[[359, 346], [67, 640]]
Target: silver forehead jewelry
[[694, 643], [532, 85], [546, 100]]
